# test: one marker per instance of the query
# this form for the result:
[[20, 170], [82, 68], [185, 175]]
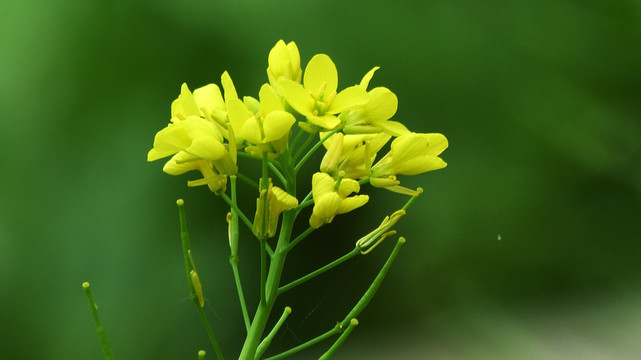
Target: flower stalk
[[106, 349]]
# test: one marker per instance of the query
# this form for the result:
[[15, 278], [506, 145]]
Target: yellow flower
[[331, 198], [271, 203], [208, 102], [375, 115], [284, 62], [194, 136], [351, 154], [196, 144], [317, 99], [410, 154], [211, 177], [268, 128]]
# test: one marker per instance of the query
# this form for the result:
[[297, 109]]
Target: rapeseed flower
[[331, 198], [195, 140], [284, 62], [351, 154], [267, 126], [317, 99], [410, 154], [375, 115]]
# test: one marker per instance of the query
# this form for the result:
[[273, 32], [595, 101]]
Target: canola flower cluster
[[209, 127]]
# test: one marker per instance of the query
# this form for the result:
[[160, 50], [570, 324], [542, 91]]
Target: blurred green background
[[525, 247]]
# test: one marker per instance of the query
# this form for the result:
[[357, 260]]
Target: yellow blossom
[[351, 154], [211, 175], [375, 115], [284, 62], [317, 98], [268, 128], [331, 198], [410, 154], [196, 144], [195, 136]]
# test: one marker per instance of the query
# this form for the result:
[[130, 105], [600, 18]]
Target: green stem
[[106, 349], [263, 270], [247, 155], [412, 199], [356, 310], [271, 289], [201, 354], [259, 322], [236, 209], [299, 238], [233, 258], [264, 186], [189, 267], [210, 332], [299, 133], [369, 294], [247, 180], [313, 149], [304, 203], [302, 148], [268, 339], [241, 296], [305, 345], [341, 339], [342, 259], [280, 176]]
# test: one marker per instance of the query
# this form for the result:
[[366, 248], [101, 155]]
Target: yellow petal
[[352, 97], [297, 96], [327, 206], [277, 124], [321, 184], [269, 100], [280, 200], [168, 141], [347, 187], [329, 164], [277, 59], [237, 113], [175, 165], [294, 58], [419, 165], [228, 86], [321, 75], [393, 128], [366, 79], [206, 148], [417, 153], [210, 98], [185, 105], [251, 131], [352, 203], [284, 61], [383, 182], [327, 121], [252, 104], [382, 104], [437, 143]]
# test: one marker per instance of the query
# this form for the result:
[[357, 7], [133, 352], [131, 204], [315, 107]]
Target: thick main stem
[[275, 268], [271, 289]]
